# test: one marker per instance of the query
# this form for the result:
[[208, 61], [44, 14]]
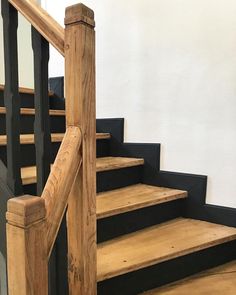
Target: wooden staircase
[[132, 250], [130, 227]]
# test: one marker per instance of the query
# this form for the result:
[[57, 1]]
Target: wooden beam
[[80, 107]]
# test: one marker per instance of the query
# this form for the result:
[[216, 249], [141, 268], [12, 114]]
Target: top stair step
[[157, 244]]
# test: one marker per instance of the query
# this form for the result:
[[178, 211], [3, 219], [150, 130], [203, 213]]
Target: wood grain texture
[[165, 241], [113, 163], [55, 137], [27, 260], [28, 174], [80, 111], [42, 22], [60, 181], [218, 281], [25, 90], [134, 197]]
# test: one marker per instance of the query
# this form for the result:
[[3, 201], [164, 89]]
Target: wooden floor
[[159, 243], [217, 281]]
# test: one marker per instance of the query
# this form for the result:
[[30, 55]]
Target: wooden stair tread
[[134, 197], [28, 174], [112, 163], [159, 243], [25, 90], [55, 137], [28, 111], [219, 280]]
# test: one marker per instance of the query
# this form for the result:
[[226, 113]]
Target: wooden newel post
[[26, 246], [80, 111]]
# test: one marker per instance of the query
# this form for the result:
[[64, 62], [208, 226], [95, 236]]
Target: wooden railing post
[[80, 111], [26, 246]]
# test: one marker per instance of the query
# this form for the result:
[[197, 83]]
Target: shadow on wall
[[3, 277]]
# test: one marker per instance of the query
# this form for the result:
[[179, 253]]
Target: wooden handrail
[[42, 21], [60, 181]]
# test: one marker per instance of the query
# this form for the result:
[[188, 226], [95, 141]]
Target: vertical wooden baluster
[[42, 119], [11, 97], [80, 111]]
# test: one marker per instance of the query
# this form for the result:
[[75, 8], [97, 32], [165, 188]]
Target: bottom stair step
[[220, 280], [157, 244]]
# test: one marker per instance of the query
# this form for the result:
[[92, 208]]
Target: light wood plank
[[55, 137], [28, 174], [113, 163], [134, 197], [31, 112], [25, 90], [50, 29], [157, 244], [218, 281]]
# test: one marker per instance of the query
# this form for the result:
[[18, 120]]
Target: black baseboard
[[195, 205]]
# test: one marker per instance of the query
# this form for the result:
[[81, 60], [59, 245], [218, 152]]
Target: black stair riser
[[166, 272], [28, 152], [108, 180], [27, 101], [57, 124], [113, 179], [117, 225]]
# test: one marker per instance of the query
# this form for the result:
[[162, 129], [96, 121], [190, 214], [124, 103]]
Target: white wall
[[25, 54], [169, 68]]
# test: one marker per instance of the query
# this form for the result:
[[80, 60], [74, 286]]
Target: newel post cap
[[26, 210], [79, 13]]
